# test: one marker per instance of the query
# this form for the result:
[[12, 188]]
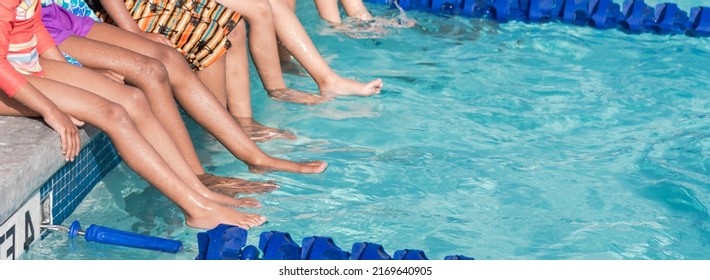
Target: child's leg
[[299, 44], [285, 59], [236, 67], [234, 93], [263, 46], [135, 150], [329, 10], [140, 112], [262, 43], [151, 77], [145, 73], [238, 91], [214, 78], [201, 104], [288, 65], [355, 8]]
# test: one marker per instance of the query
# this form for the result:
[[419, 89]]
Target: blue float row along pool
[[633, 16]]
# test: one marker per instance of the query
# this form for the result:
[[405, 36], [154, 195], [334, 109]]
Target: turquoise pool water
[[510, 141]]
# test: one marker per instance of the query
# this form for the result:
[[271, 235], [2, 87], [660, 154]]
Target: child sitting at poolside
[[261, 15], [163, 74], [36, 81]]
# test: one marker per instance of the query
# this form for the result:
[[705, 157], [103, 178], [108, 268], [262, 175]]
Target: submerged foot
[[246, 202], [310, 167], [342, 87], [261, 133], [227, 200], [294, 96], [234, 186], [218, 214]]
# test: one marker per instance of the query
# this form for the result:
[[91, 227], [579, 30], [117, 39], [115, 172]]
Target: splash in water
[[377, 27]]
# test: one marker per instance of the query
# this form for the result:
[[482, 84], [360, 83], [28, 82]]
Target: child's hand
[[63, 124], [116, 77], [77, 122]]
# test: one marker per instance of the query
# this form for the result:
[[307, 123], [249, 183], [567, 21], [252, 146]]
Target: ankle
[[328, 81], [244, 120], [202, 208]]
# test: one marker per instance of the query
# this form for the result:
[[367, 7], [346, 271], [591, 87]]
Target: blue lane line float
[[100, 234], [223, 242], [603, 14], [322, 248], [228, 242], [278, 245], [457, 257], [369, 251], [699, 22], [250, 253], [409, 254], [637, 17], [633, 16], [669, 19]]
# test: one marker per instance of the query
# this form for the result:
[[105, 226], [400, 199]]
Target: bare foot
[[342, 86], [234, 186], [227, 200], [292, 95], [275, 164], [217, 214], [260, 133], [247, 202]]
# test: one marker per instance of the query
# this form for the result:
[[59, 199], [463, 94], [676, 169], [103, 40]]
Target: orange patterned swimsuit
[[197, 28]]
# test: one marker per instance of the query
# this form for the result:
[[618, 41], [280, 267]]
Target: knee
[[238, 34], [114, 115], [154, 70], [168, 56], [279, 4], [136, 103], [262, 10]]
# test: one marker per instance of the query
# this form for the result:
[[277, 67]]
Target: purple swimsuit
[[61, 23]]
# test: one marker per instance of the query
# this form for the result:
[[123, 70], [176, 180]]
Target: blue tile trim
[[76, 179]]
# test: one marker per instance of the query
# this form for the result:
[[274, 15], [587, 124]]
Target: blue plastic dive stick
[[111, 236]]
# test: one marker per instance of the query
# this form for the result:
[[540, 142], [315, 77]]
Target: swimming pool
[[496, 141]]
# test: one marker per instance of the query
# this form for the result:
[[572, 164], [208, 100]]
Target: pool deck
[[29, 156]]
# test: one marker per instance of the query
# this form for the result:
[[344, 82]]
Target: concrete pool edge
[[33, 171]]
